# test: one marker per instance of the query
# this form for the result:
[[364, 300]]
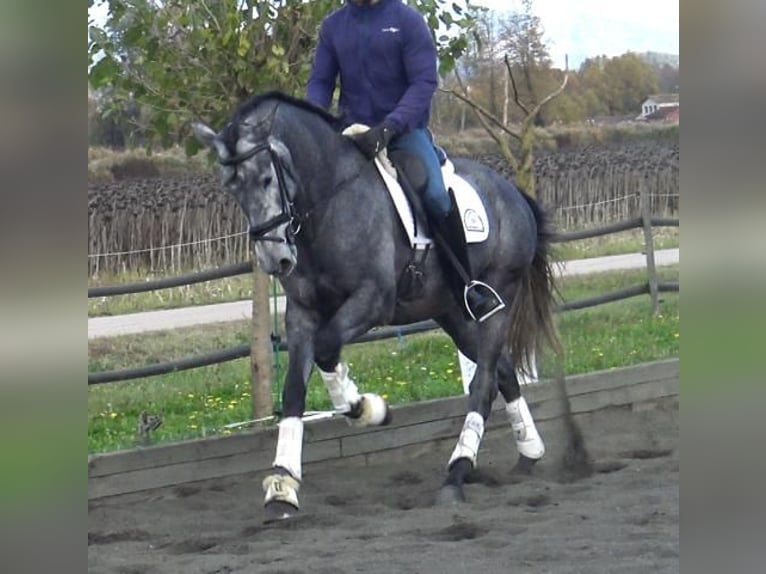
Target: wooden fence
[[416, 428], [264, 344]]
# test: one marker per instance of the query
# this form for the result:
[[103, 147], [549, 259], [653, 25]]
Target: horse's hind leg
[[486, 344], [528, 441]]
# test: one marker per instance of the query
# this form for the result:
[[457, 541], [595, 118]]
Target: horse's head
[[257, 170]]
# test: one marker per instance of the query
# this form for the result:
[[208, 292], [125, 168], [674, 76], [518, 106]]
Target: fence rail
[[242, 351], [175, 281], [247, 266], [652, 287]]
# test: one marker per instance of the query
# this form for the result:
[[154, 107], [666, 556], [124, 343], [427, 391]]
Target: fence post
[[646, 219], [261, 363]]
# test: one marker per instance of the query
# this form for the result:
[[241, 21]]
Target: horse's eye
[[267, 181]]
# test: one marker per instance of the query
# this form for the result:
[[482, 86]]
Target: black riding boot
[[478, 300]]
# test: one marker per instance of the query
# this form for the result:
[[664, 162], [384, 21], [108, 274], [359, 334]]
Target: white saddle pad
[[472, 212]]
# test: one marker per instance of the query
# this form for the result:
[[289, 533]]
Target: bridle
[[293, 220]]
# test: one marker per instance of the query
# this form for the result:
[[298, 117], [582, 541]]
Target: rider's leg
[[443, 213], [435, 198]]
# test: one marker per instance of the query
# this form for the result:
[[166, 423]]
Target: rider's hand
[[374, 140]]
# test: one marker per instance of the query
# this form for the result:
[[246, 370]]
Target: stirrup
[[499, 304]]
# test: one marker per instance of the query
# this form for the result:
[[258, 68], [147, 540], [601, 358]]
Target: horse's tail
[[534, 305]]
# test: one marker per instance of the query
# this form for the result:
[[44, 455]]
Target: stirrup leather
[[500, 304]]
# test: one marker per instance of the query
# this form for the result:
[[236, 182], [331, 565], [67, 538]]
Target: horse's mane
[[231, 131]]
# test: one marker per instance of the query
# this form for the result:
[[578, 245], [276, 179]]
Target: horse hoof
[[524, 465], [450, 495], [276, 511]]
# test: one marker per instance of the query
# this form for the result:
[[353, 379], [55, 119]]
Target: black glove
[[374, 140]]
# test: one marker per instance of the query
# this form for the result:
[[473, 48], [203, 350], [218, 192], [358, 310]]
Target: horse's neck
[[315, 157]]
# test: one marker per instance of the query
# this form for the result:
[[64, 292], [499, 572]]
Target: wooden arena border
[[415, 429]]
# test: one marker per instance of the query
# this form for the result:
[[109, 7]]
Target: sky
[[586, 28]]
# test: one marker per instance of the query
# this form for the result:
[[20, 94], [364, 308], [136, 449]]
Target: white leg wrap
[[281, 488], [290, 446], [528, 441], [342, 389], [374, 410], [469, 439]]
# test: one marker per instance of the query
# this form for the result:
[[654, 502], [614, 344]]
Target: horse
[[323, 224]]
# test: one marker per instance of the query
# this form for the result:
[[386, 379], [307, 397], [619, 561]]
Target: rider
[[386, 58]]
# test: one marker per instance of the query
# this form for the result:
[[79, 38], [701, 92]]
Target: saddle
[[394, 167], [400, 165]]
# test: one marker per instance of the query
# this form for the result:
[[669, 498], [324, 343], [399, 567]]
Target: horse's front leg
[[362, 311], [483, 391], [283, 484]]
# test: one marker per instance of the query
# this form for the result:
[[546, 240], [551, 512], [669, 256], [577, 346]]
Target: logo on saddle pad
[[472, 212]]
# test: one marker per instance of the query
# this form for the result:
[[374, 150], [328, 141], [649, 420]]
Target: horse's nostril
[[284, 265]]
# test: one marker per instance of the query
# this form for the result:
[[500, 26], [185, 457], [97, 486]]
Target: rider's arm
[[324, 72], [419, 53]]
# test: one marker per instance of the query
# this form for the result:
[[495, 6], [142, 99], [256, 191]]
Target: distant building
[[660, 107], [667, 114]]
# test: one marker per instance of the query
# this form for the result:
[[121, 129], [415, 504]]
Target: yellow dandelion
[[112, 415]]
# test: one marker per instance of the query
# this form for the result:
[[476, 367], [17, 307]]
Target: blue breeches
[[419, 143]]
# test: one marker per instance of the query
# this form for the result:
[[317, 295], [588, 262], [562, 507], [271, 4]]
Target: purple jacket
[[386, 59]]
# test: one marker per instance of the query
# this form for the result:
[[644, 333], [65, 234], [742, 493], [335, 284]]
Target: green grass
[[199, 402], [238, 288]]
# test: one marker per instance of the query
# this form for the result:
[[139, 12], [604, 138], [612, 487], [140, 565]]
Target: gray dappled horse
[[324, 225]]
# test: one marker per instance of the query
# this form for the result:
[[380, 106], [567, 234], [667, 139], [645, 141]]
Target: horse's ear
[[204, 134]]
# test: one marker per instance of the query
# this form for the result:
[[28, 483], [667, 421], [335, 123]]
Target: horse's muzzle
[[285, 266]]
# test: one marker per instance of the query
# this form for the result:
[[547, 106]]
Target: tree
[[187, 59], [530, 53], [628, 79], [668, 79], [521, 39]]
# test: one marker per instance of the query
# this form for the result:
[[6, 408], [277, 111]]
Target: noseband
[[259, 232]]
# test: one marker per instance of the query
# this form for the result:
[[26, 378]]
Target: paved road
[[184, 317]]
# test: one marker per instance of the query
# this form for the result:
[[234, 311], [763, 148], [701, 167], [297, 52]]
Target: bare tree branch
[[513, 84], [478, 108], [536, 110]]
